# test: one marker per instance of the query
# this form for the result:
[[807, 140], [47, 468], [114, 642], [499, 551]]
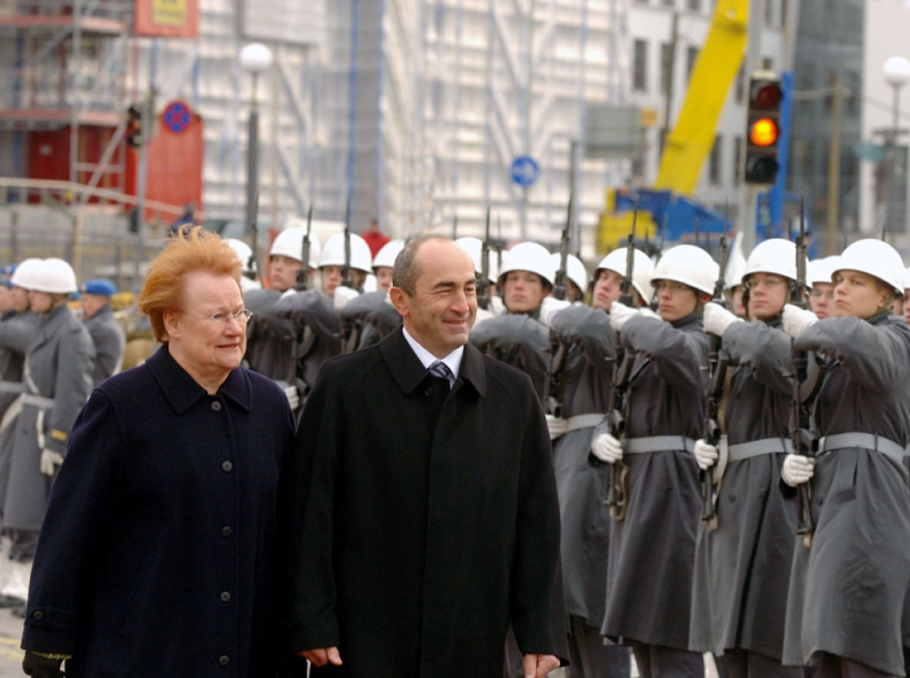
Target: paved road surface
[[11, 655]]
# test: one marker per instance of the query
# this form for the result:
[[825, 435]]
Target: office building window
[[741, 85], [691, 57], [737, 159], [694, 5], [769, 13], [640, 66], [716, 160], [665, 58]]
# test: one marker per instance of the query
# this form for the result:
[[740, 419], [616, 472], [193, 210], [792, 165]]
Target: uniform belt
[[12, 387], [866, 441], [658, 444], [756, 448], [580, 421], [38, 401]]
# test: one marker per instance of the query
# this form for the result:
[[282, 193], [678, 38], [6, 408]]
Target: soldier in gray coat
[[848, 583], [106, 333], [742, 568], [652, 550], [58, 381]]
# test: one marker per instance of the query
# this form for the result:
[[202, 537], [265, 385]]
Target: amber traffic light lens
[[764, 132]]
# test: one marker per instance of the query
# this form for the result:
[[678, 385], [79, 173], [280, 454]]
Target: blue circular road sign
[[176, 117], [525, 170]]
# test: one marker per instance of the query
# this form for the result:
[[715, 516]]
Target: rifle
[[346, 269], [552, 396], [617, 496], [804, 392], [717, 371], [483, 285], [559, 284], [303, 276], [251, 263]]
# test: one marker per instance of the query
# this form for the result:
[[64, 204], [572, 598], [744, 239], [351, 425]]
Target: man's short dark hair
[[406, 270]]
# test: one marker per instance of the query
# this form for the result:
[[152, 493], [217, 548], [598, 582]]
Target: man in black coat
[[423, 515]]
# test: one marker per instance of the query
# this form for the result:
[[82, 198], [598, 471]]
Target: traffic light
[[134, 130], [763, 129]]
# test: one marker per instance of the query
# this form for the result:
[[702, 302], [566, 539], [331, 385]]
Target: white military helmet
[[289, 243], [474, 247], [386, 256], [776, 256], [529, 256], [907, 280], [875, 258], [822, 270], [24, 275], [575, 270], [243, 252], [54, 276], [642, 269], [333, 253], [689, 265]]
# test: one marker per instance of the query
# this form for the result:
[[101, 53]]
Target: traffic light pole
[[747, 196]]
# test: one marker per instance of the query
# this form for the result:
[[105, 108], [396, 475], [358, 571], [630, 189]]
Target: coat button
[[38, 615], [226, 531], [227, 466], [216, 406], [224, 660], [225, 596], [429, 392]]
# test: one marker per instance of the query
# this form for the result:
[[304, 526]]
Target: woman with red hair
[[157, 557]]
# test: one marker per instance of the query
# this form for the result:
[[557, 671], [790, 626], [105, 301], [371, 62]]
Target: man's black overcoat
[[421, 522]]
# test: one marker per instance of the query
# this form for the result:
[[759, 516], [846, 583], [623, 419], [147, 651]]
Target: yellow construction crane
[[689, 144]]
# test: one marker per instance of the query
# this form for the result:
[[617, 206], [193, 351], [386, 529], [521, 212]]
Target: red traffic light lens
[[766, 95], [763, 132]]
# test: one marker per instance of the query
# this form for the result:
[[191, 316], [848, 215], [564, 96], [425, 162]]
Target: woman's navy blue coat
[[157, 556]]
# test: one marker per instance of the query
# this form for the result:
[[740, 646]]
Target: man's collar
[[452, 361], [408, 370]]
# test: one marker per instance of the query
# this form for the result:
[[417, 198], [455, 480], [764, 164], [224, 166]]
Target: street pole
[[834, 165], [747, 196], [252, 156]]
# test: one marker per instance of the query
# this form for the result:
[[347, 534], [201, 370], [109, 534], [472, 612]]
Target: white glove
[[718, 319], [646, 312], [620, 314], [797, 321], [344, 296], [607, 448], [797, 469], [293, 396], [705, 455], [550, 307], [50, 460], [557, 426]]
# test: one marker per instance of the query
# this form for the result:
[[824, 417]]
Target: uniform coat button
[[224, 660], [226, 531], [227, 466], [216, 406], [38, 615], [225, 596], [429, 392]]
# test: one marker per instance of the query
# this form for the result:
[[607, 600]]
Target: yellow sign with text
[[169, 12]]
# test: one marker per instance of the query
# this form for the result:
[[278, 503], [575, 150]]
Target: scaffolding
[[411, 111], [64, 68]]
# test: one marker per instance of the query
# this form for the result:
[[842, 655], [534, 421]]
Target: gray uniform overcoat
[[742, 569], [586, 382], [847, 590], [652, 551], [109, 340], [58, 366]]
